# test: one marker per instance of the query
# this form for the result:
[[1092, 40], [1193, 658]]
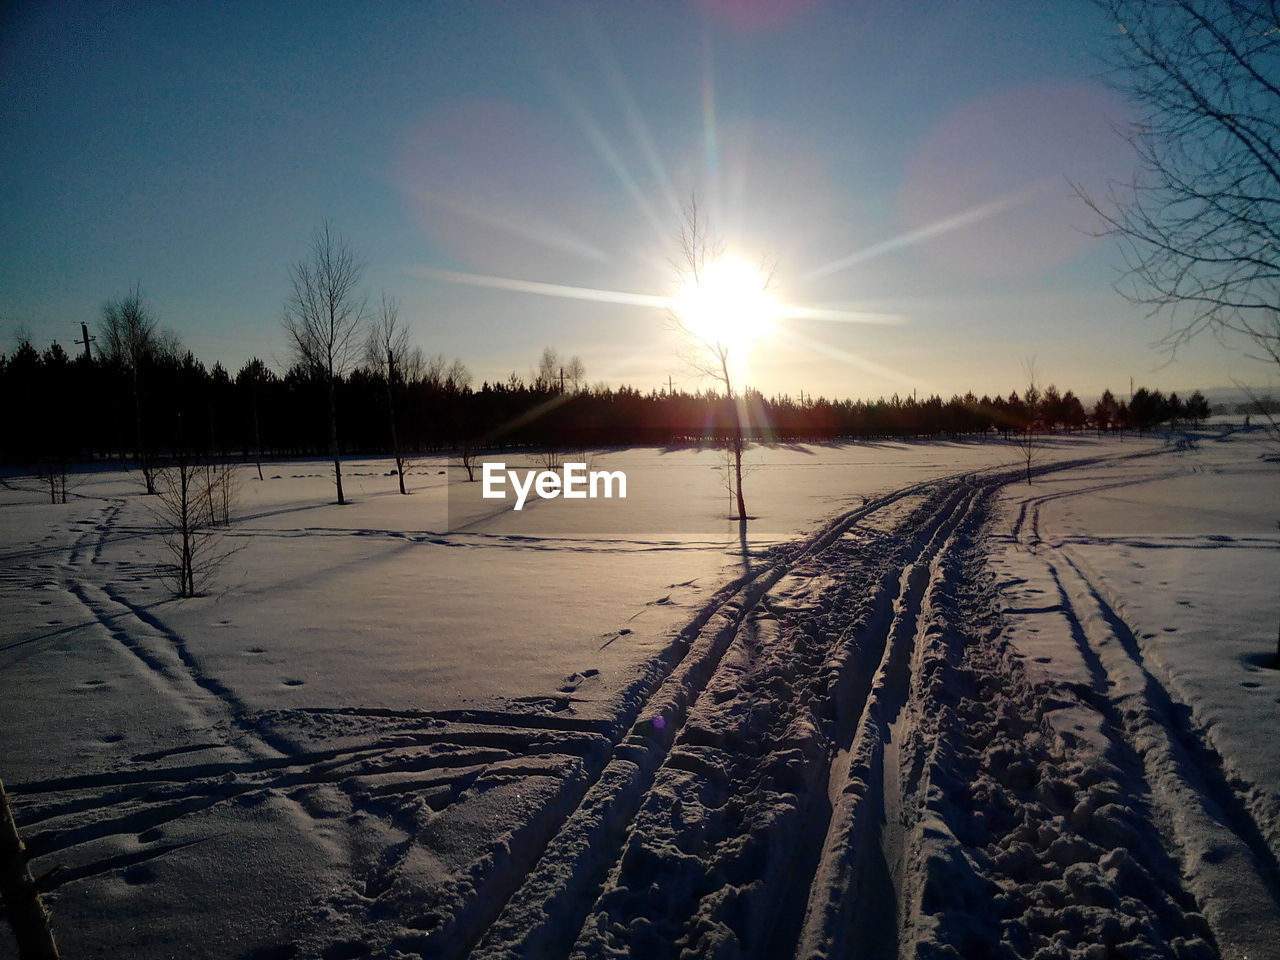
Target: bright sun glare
[[728, 305]]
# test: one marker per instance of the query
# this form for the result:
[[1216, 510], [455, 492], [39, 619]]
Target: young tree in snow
[[193, 499], [1026, 413], [388, 352], [323, 316], [699, 253]]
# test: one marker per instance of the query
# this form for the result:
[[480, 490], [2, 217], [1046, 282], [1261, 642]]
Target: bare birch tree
[[193, 499], [322, 318], [388, 351], [575, 372], [698, 250], [1023, 436]]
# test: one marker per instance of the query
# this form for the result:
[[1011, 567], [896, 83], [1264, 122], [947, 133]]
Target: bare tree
[[52, 471], [698, 251], [1201, 228], [433, 371], [323, 316], [1023, 434], [388, 351], [546, 376], [575, 372], [1200, 225], [456, 376], [220, 485], [131, 342], [441, 374], [556, 374], [192, 499], [469, 456]]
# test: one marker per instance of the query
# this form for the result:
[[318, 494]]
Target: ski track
[[841, 754], [1214, 825]]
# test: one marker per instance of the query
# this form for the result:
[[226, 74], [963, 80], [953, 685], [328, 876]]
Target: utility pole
[[562, 379], [84, 329], [671, 390]]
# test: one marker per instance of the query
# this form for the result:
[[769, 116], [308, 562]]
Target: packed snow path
[[852, 762], [844, 753]]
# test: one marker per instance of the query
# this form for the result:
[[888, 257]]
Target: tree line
[[145, 399]]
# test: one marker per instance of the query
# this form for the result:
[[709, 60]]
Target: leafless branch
[[1199, 227]]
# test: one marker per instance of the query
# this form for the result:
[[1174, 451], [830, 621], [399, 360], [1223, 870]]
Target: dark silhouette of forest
[[166, 402]]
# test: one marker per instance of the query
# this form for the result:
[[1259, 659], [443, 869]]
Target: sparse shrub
[[193, 500]]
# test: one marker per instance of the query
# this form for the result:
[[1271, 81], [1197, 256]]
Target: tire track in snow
[[432, 760], [561, 864], [705, 718], [834, 636], [1090, 811], [646, 807], [1235, 872], [855, 898], [1230, 867], [81, 817]]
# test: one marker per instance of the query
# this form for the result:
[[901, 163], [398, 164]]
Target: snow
[[1154, 583], [430, 726]]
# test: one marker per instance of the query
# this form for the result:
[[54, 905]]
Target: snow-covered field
[[922, 709]]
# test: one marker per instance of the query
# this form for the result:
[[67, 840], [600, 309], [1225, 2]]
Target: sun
[[728, 305]]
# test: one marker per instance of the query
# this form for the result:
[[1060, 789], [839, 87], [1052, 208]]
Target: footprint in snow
[[138, 874], [572, 681], [621, 633]]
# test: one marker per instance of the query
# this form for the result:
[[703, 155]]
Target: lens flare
[[728, 303]]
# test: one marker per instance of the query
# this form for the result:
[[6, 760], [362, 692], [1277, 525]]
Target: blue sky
[[908, 163]]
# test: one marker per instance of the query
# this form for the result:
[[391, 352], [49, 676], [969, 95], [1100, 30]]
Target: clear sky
[[903, 163]]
